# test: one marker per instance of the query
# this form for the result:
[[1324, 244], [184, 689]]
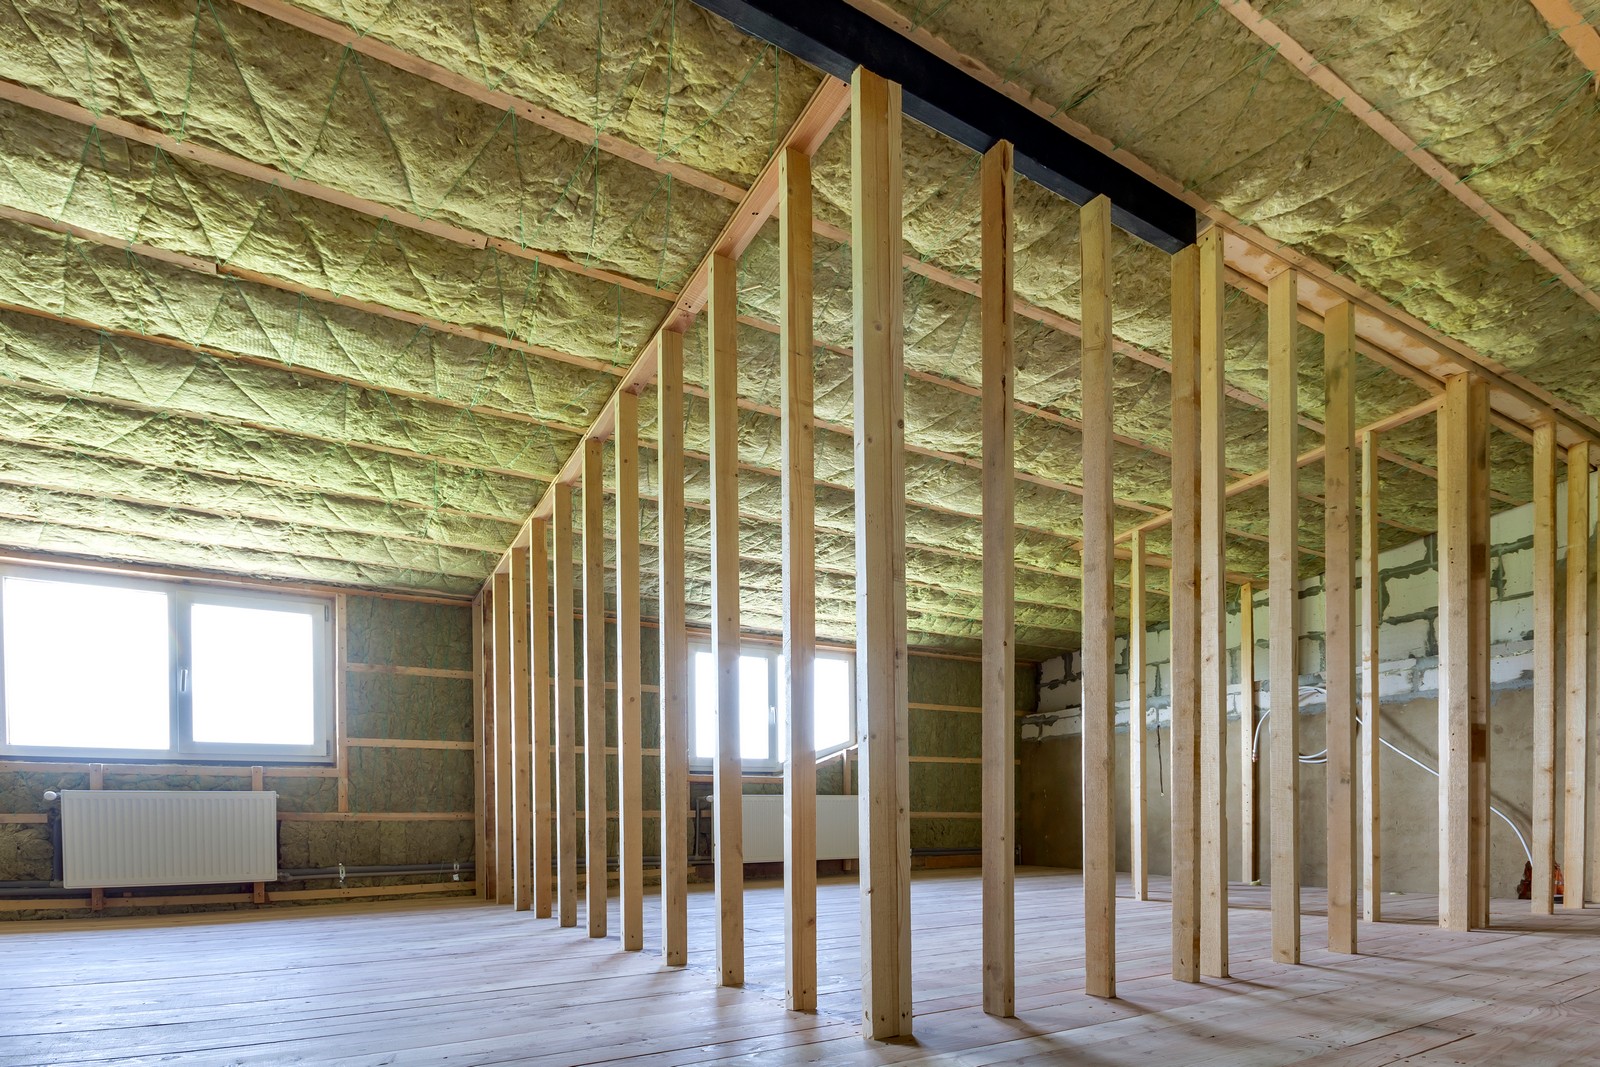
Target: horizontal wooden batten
[[375, 816], [410, 742], [198, 899], [420, 672]]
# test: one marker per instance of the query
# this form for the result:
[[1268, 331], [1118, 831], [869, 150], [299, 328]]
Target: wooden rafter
[[1323, 77]]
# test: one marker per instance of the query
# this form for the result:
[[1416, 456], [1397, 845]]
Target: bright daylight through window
[[124, 668], [762, 716]]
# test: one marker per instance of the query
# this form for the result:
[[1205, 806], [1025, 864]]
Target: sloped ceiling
[[274, 306]]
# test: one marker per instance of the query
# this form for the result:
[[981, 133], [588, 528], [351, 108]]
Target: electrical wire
[[1322, 757]]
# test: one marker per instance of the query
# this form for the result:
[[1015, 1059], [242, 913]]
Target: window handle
[[183, 679]]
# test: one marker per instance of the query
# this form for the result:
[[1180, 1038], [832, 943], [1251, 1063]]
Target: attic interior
[[1047, 531]]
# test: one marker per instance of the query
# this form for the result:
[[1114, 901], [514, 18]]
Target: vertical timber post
[[1575, 836], [881, 712], [1185, 715], [1339, 537], [1249, 823], [999, 569], [799, 582], [722, 385], [1283, 609], [1138, 728], [1099, 609], [1546, 633], [630, 740], [539, 706], [674, 656], [521, 733], [566, 707], [505, 803], [1462, 437], [1213, 680], [1371, 664], [594, 687]]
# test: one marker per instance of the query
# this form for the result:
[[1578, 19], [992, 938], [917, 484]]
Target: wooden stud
[[1099, 609], [1283, 613], [1138, 728], [341, 703], [521, 731], [566, 711], [722, 384], [1339, 524], [258, 892], [1478, 636], [504, 780], [1371, 665], [1546, 633], [1249, 825], [97, 780], [999, 571], [540, 780], [1184, 716], [481, 794], [630, 739], [1575, 836], [1213, 680], [594, 695], [674, 657], [881, 695], [1460, 447], [799, 583]]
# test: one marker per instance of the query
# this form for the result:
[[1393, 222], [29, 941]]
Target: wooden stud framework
[[1283, 613], [504, 783], [565, 705], [541, 780], [1339, 585], [881, 694], [1249, 824], [1463, 543], [1138, 712], [1575, 837], [1546, 632], [594, 690], [521, 740], [722, 382], [1099, 609], [1213, 668], [674, 660], [1371, 665], [1185, 716], [799, 583], [482, 799], [630, 739], [999, 570]]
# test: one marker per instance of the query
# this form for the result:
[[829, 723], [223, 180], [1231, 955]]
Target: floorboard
[[468, 984]]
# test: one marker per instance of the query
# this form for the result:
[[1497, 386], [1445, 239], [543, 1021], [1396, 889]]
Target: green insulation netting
[[351, 395]]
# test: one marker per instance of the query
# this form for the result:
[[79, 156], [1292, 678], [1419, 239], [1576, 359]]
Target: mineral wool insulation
[[249, 420]]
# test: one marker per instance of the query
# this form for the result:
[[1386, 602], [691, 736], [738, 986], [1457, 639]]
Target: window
[[763, 719], [114, 668]]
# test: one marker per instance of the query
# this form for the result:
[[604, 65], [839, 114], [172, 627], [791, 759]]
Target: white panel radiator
[[836, 828], [116, 837]]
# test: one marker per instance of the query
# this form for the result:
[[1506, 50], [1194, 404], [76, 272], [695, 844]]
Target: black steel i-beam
[[835, 37]]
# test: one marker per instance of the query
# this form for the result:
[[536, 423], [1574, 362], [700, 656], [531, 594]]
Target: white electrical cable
[[1322, 757]]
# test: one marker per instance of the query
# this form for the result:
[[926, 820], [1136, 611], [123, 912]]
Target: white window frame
[[776, 709], [181, 596]]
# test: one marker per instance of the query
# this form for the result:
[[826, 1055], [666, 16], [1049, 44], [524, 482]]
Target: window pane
[[254, 679], [831, 723], [705, 706], [755, 708], [86, 666]]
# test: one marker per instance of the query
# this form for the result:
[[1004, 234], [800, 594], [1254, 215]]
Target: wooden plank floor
[[460, 984]]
